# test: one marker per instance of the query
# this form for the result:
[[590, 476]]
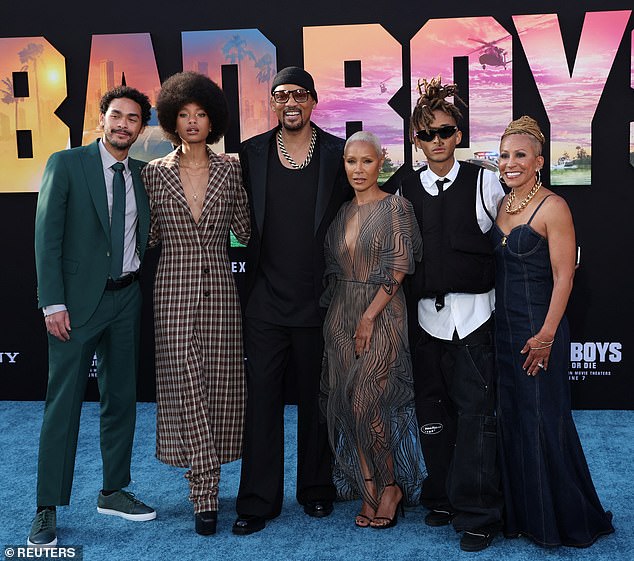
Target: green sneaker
[[43, 530], [125, 505]]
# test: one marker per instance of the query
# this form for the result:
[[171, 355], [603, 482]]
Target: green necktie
[[117, 221]]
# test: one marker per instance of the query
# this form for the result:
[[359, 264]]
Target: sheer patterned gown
[[369, 401]]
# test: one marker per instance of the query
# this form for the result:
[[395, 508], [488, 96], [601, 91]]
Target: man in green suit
[[91, 229]]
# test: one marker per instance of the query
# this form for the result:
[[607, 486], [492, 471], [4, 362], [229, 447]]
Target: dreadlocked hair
[[431, 98]]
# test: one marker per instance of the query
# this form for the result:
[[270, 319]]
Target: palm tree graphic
[[235, 51], [27, 55], [265, 72], [7, 93]]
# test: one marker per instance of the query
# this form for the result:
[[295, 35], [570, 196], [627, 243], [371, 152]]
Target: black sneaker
[[44, 529], [475, 540]]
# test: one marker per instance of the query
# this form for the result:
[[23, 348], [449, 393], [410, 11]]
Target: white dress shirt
[[131, 259], [462, 312]]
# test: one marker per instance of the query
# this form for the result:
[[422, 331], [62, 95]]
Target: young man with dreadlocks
[[451, 294]]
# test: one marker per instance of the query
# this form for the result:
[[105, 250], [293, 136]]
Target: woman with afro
[[196, 197]]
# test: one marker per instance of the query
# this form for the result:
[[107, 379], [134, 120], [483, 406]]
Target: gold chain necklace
[[524, 203], [191, 184], [287, 156], [193, 163]]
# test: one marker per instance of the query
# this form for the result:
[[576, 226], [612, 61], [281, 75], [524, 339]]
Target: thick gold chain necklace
[[524, 203]]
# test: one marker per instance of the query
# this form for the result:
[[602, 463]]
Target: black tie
[[440, 183], [117, 221]]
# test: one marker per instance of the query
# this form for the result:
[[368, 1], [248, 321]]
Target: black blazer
[[332, 190]]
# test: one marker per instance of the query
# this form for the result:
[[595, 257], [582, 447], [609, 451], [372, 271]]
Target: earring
[[539, 176]]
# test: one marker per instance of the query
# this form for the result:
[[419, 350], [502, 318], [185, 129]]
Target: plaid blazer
[[200, 383]]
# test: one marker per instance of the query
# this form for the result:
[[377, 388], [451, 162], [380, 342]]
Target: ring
[[540, 365]]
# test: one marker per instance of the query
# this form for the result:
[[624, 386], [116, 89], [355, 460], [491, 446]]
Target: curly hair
[[431, 98], [191, 87], [128, 93]]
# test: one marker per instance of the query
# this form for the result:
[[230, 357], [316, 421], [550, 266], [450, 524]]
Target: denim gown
[[548, 492]]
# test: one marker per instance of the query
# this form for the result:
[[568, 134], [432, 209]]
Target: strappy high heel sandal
[[384, 522], [360, 519]]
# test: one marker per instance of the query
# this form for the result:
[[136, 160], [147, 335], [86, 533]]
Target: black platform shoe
[[206, 522]]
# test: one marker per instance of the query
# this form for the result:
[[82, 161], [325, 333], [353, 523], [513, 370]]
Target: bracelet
[[549, 343], [538, 348]]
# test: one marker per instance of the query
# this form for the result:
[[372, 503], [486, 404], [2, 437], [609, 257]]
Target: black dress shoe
[[437, 518], [245, 525], [206, 522], [476, 540], [318, 509]]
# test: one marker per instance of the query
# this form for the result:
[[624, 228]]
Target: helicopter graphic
[[490, 53], [382, 85]]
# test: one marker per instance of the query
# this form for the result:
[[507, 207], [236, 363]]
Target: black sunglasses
[[282, 96], [443, 132]]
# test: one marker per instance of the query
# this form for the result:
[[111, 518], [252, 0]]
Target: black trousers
[[454, 382], [269, 347]]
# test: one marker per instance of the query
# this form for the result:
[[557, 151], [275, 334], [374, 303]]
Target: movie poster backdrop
[[569, 66]]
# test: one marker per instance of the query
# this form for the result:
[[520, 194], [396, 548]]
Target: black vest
[[457, 255]]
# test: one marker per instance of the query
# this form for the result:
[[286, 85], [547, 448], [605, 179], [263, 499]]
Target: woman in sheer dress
[[367, 386]]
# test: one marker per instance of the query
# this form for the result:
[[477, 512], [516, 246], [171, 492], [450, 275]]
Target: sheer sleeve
[[401, 243]]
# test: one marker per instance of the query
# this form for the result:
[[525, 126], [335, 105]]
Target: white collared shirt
[[462, 312], [131, 259]]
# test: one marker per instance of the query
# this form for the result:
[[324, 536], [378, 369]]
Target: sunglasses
[[282, 96], [443, 132]]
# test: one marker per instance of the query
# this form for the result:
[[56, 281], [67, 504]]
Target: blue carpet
[[607, 436]]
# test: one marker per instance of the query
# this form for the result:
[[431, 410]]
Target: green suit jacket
[[72, 230]]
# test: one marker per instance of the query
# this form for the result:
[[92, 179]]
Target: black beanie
[[295, 75]]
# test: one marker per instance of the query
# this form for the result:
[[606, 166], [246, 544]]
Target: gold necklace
[[524, 203], [193, 163], [191, 184]]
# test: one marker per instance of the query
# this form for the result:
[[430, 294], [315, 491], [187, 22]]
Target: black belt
[[122, 282]]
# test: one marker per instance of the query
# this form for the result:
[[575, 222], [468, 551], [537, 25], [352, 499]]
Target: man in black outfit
[[451, 294], [295, 182]]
